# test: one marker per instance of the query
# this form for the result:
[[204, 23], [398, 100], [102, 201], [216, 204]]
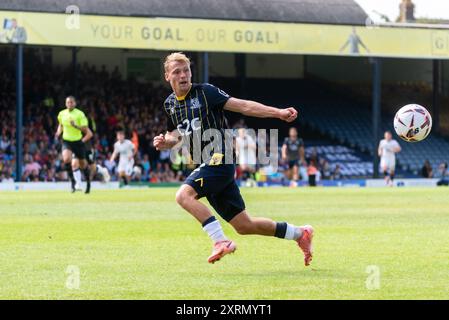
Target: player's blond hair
[[175, 56]]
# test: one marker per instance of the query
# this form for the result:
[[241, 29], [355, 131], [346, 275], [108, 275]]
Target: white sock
[[77, 176], [215, 231], [292, 232]]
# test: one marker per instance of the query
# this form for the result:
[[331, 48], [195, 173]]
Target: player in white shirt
[[124, 148], [246, 152], [388, 147]]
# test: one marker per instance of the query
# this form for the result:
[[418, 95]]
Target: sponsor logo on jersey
[[195, 103]]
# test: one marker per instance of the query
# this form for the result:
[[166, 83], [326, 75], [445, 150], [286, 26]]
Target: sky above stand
[[423, 8]]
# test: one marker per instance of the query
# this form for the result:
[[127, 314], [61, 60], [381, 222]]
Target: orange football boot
[[221, 248], [305, 243]]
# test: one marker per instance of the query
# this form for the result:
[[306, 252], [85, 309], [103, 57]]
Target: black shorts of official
[[293, 163], [91, 156], [218, 185], [77, 147]]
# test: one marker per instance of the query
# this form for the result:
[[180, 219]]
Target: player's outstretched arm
[[113, 155], [167, 141], [284, 152], [363, 45], [344, 46], [259, 110], [302, 154]]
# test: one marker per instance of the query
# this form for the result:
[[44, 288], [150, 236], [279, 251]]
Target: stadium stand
[[350, 162], [351, 124]]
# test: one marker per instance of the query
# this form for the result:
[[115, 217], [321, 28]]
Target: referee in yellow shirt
[[73, 126]]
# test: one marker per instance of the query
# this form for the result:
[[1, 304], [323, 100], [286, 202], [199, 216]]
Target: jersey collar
[[180, 98]]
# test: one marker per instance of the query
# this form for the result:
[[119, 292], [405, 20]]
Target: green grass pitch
[[387, 243]]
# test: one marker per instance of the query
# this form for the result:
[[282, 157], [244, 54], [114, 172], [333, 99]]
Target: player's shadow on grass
[[277, 273]]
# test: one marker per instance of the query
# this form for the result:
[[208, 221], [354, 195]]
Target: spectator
[[146, 165], [164, 159], [325, 169], [426, 170], [31, 170], [336, 175], [5, 143], [6, 177], [314, 157], [110, 165], [312, 172], [443, 175]]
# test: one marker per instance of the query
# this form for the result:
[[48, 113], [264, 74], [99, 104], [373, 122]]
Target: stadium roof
[[305, 11]]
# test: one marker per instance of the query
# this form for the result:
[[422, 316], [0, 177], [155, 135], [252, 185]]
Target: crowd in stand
[[442, 173], [106, 99]]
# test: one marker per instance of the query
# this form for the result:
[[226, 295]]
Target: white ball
[[412, 123]]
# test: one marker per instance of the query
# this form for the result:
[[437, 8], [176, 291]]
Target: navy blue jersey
[[199, 110], [293, 147]]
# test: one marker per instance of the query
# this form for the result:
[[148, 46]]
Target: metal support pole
[[74, 72], [240, 65], [19, 112], [205, 67], [436, 95], [376, 112]]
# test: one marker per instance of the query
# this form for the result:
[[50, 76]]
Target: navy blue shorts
[[218, 185], [293, 163]]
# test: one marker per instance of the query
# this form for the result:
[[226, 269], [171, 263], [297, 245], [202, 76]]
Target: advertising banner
[[221, 36]]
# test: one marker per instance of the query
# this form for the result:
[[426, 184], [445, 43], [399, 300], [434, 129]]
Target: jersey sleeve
[[59, 118], [83, 122], [285, 143], [301, 142], [170, 125], [216, 98]]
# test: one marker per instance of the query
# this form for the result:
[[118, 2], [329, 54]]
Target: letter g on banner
[[72, 22]]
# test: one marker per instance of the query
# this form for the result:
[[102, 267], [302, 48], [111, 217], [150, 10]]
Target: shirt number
[[193, 125]]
